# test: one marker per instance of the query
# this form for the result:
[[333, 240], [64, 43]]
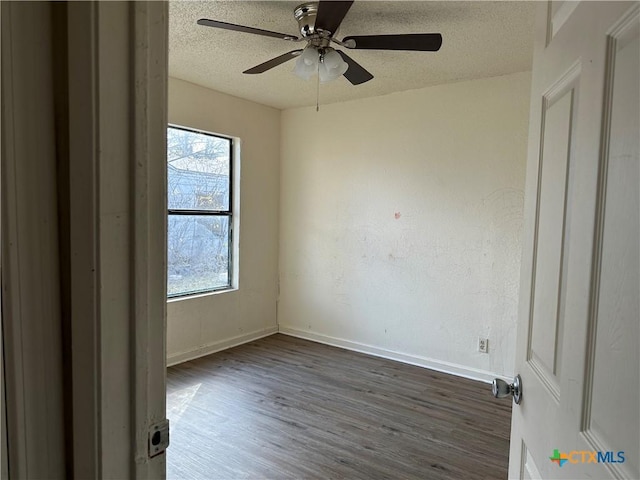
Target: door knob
[[502, 389]]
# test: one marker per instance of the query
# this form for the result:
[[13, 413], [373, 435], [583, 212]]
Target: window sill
[[200, 295]]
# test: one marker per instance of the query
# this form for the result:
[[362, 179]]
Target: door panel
[[614, 321], [578, 334], [546, 320], [559, 13], [529, 470]]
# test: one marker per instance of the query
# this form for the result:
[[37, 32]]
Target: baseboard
[[220, 345], [425, 362], [437, 365]]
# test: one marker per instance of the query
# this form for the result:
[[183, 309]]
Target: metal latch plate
[[158, 438]]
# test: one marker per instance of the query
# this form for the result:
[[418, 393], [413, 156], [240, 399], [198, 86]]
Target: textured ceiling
[[480, 39]]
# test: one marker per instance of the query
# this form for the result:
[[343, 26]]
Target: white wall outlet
[[483, 345]]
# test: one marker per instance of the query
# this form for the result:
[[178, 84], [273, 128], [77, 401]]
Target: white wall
[[199, 325], [400, 223]]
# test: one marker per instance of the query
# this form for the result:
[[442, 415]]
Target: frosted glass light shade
[[332, 59], [309, 56], [307, 63], [332, 66]]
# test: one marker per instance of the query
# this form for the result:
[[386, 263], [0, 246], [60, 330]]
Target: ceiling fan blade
[[331, 13], [424, 42], [241, 28], [274, 62], [356, 73]]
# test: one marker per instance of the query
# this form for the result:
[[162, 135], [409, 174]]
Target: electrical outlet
[[483, 345]]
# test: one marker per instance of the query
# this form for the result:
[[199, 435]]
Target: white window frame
[[230, 214]]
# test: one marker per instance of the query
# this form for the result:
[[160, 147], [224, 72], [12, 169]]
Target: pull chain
[[318, 87]]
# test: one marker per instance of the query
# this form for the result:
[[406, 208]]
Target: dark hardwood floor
[[285, 408]]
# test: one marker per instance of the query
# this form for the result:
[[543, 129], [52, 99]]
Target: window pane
[[199, 167], [198, 253]]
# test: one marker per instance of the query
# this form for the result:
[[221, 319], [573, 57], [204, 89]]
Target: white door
[[578, 331]]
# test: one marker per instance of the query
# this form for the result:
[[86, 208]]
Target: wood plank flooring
[[285, 408]]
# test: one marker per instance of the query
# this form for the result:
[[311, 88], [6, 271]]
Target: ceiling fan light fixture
[[310, 56], [332, 59], [332, 66], [307, 63]]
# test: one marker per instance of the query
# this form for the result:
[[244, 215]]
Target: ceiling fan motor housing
[[305, 14]]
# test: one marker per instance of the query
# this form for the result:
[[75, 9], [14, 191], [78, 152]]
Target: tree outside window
[[200, 214]]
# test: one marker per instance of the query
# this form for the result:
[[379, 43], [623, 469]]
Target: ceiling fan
[[318, 24]]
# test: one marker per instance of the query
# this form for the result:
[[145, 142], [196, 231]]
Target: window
[[200, 222]]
